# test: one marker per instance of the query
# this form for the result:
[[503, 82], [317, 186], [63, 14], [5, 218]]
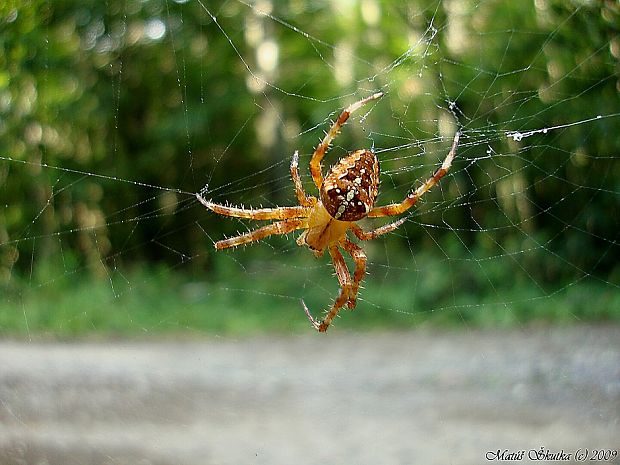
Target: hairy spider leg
[[359, 257], [348, 288], [321, 326], [374, 233], [414, 196], [279, 227], [321, 149], [302, 197], [279, 213], [342, 272], [344, 278]]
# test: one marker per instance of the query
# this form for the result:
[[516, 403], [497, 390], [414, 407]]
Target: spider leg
[[344, 278], [374, 233], [359, 257], [279, 227], [414, 196], [279, 213], [322, 325], [321, 149], [302, 198]]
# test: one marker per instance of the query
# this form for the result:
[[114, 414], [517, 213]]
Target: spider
[[346, 195]]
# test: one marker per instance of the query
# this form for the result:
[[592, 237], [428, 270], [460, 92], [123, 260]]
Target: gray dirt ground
[[390, 398]]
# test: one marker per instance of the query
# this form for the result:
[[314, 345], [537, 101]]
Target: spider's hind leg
[[301, 195], [321, 149], [414, 196]]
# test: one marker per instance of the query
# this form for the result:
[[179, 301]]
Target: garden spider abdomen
[[347, 194], [351, 186]]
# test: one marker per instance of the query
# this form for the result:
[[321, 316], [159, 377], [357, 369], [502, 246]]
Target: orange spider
[[347, 194]]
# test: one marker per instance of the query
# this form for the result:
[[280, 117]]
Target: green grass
[[263, 296]]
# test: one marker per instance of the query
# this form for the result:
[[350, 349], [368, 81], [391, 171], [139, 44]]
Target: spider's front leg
[[359, 257], [321, 326], [348, 289], [340, 266], [344, 278]]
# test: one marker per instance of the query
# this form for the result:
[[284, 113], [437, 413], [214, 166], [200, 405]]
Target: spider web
[[532, 179], [102, 156], [490, 152]]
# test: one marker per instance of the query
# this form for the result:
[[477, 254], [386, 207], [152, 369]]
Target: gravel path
[[393, 398]]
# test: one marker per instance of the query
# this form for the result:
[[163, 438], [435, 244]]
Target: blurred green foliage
[[113, 113], [159, 301]]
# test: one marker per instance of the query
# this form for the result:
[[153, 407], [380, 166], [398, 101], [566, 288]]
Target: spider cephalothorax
[[346, 195]]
